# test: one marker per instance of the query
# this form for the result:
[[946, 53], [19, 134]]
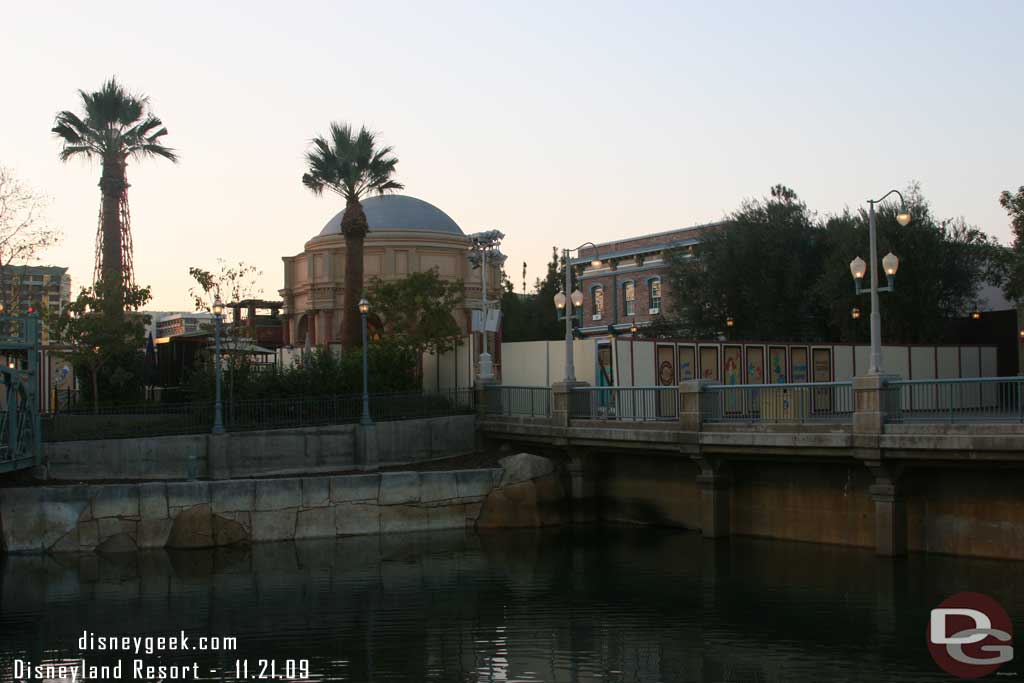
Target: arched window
[[597, 302], [628, 298], [654, 295]]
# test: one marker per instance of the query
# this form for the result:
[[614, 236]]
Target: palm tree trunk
[[354, 228], [113, 185]]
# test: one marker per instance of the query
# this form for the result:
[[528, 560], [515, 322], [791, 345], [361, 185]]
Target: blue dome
[[399, 212]]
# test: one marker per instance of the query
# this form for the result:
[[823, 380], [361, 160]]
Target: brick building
[[629, 287]]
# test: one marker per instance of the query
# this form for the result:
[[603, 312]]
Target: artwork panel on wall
[[777, 365], [687, 363]]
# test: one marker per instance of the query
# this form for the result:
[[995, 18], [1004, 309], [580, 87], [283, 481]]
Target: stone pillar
[[583, 486], [871, 403], [890, 511], [690, 415], [561, 397], [715, 493], [367, 454], [323, 333]]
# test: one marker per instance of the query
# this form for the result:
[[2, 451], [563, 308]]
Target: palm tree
[[352, 167], [115, 126]]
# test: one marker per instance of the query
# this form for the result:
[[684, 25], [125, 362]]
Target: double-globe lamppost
[[890, 263], [364, 309], [575, 300]]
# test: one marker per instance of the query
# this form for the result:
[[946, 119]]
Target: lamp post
[[481, 244], [218, 416], [575, 300], [364, 308], [891, 263]]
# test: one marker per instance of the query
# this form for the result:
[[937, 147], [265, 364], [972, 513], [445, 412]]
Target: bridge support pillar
[[715, 492], [582, 487], [561, 402], [689, 404], [890, 511], [870, 403]]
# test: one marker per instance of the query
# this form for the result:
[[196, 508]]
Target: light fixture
[[975, 315], [364, 306], [577, 298], [729, 322], [1021, 334], [218, 307], [596, 263], [903, 217], [1, 308], [633, 329], [890, 263], [11, 364], [857, 268], [855, 313], [560, 300]]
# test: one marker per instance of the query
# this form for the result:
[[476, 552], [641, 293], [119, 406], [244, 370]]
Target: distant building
[[259, 320], [36, 287], [173, 324], [628, 287]]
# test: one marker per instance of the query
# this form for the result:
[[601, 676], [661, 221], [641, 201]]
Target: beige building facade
[[407, 235]]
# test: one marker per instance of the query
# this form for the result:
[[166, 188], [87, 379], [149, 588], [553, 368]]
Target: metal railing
[[637, 404], [802, 402], [165, 419], [978, 399], [517, 400]]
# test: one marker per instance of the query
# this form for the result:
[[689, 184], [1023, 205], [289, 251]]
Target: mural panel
[[798, 363], [755, 365], [687, 363], [777, 365], [732, 373], [709, 363]]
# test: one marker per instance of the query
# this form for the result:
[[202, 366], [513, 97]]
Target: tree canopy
[[416, 311], [781, 272]]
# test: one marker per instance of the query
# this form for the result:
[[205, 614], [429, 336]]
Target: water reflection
[[577, 604]]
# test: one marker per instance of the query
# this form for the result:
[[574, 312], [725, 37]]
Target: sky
[[557, 123]]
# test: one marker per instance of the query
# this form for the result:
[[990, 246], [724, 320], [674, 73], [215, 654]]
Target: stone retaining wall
[[261, 453], [526, 491]]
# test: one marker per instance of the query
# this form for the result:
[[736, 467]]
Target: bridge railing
[[637, 404], [977, 399], [509, 401], [798, 402]]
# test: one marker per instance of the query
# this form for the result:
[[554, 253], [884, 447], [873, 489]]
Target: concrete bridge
[[925, 466]]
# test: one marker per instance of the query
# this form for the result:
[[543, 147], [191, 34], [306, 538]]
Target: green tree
[[115, 126], [1014, 261], [416, 311], [533, 317], [351, 166], [756, 269], [101, 345]]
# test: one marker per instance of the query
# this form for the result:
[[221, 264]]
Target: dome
[[399, 212]]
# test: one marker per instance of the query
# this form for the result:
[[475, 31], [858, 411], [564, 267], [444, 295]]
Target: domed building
[[406, 235]]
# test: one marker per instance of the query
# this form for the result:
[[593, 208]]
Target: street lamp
[[576, 299], [364, 308], [218, 416], [482, 244], [890, 263]]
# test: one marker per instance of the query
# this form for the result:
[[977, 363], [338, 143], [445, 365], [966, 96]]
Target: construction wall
[[647, 362]]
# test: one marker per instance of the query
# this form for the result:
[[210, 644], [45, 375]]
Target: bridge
[[923, 465]]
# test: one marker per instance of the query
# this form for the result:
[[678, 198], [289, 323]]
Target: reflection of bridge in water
[[923, 465]]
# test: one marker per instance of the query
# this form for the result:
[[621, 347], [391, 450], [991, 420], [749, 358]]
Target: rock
[[192, 528], [535, 503], [228, 531], [524, 467], [119, 543], [153, 533]]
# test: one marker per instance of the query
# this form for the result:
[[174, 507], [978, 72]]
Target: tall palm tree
[[115, 126], [352, 167]]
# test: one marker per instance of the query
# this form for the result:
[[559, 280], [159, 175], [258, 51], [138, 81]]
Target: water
[[575, 604]]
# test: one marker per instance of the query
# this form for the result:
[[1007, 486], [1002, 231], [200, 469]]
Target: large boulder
[[530, 494], [198, 527]]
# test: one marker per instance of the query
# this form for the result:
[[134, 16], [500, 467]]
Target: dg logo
[[970, 635]]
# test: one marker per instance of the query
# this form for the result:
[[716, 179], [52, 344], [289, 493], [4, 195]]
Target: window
[[628, 298], [597, 302], [654, 295]]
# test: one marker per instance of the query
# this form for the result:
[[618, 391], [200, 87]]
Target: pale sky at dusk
[[555, 123]]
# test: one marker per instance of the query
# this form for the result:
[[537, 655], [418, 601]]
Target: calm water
[[584, 604]]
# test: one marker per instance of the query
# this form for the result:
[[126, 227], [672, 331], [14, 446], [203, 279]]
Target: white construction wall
[[642, 362]]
